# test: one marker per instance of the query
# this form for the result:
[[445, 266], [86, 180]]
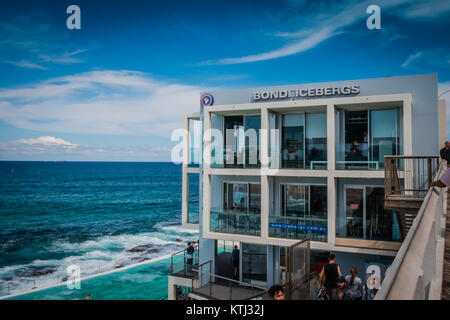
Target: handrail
[[391, 275], [196, 247], [411, 157]]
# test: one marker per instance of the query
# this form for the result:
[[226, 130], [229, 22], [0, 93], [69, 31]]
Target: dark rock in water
[[119, 266], [145, 248], [178, 240], [34, 271], [145, 259]]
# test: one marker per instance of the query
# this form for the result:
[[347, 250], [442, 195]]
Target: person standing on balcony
[[190, 258], [235, 261], [331, 271]]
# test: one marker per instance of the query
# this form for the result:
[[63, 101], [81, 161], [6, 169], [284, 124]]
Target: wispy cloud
[[100, 102], [335, 21], [65, 58], [428, 60], [411, 58], [25, 64]]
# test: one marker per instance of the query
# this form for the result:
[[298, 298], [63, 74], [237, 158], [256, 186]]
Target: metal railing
[[416, 272], [235, 222], [221, 288], [409, 175], [178, 262]]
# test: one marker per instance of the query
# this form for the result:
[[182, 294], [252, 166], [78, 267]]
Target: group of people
[[336, 286]]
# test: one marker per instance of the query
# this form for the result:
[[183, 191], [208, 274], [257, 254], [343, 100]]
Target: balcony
[[244, 223]]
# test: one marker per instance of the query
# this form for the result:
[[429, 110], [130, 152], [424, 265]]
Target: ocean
[[95, 215]]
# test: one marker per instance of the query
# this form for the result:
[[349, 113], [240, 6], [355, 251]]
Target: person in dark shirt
[[190, 258], [235, 260], [332, 272], [445, 153]]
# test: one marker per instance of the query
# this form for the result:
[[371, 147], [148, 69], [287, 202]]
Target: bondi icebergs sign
[[305, 93]]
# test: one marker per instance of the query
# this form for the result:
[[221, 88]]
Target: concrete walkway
[[446, 274]]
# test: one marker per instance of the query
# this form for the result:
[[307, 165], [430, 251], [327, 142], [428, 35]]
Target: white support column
[[331, 209], [264, 138], [407, 126], [265, 205], [206, 139], [331, 141], [184, 197], [185, 175], [331, 167], [206, 202]]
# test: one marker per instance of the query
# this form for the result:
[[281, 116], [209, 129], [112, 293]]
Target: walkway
[[446, 275]]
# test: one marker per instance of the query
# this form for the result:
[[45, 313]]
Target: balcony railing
[[299, 228], [212, 286], [235, 222], [179, 263], [409, 175]]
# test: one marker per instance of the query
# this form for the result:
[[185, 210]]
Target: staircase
[[406, 184]]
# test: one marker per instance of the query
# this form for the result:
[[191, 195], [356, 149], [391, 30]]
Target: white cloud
[[411, 58], [51, 147], [331, 20], [100, 102]]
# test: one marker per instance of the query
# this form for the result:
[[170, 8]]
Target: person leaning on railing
[[445, 153], [443, 181]]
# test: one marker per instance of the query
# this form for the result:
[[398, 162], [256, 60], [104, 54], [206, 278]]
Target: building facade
[[264, 168]]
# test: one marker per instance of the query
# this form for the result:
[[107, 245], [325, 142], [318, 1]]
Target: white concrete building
[[315, 170]]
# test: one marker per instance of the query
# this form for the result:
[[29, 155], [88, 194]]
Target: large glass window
[[365, 217], [241, 142], [193, 207], [254, 264], [241, 210], [252, 127], [303, 213], [364, 137], [293, 141], [304, 141], [384, 135], [195, 140], [316, 141]]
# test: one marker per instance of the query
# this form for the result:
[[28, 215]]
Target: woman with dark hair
[[354, 283]]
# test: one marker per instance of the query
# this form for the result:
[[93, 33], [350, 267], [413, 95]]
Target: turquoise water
[[94, 215], [147, 282]]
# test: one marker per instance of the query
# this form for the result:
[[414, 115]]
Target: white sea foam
[[94, 256]]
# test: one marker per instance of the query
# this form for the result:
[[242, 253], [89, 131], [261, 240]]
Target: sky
[[117, 88]]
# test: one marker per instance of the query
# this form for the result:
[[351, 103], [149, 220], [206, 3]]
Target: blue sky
[[117, 88]]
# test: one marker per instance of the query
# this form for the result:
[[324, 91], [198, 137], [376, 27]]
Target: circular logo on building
[[207, 100]]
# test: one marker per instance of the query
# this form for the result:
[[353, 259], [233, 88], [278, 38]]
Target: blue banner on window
[[297, 227]]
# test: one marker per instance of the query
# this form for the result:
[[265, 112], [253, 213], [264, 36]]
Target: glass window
[[234, 141], [381, 224], [365, 216], [354, 208], [303, 213], [316, 140], [364, 137], [252, 127], [384, 136], [195, 137], [293, 141], [193, 208], [241, 213]]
